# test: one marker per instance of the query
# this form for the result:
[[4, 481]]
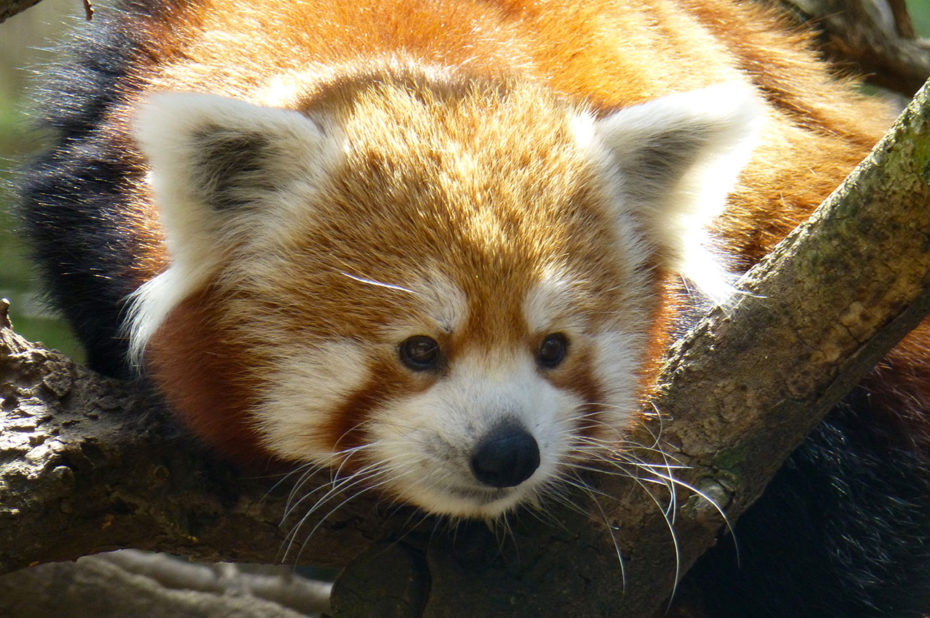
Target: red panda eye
[[552, 351], [420, 353]]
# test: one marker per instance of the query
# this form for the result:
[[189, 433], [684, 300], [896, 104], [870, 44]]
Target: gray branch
[[134, 583]]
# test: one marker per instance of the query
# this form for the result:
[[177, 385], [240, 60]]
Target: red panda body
[[400, 237]]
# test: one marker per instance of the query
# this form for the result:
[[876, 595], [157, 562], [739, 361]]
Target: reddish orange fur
[[209, 381], [579, 378], [346, 428], [599, 53]]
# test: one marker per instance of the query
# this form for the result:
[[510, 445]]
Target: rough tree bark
[[136, 583], [88, 464]]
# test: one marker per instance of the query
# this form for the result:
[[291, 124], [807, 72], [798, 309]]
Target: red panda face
[[443, 288], [436, 413]]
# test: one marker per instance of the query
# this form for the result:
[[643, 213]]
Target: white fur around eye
[[425, 440], [444, 301], [552, 299], [441, 305]]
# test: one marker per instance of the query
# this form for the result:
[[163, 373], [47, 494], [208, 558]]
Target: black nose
[[506, 457]]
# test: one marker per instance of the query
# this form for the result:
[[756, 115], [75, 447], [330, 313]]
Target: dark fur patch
[[662, 160], [230, 165], [71, 200], [843, 531], [71, 196]]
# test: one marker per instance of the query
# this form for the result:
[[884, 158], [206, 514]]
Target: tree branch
[[132, 583], [874, 38], [89, 464], [9, 8]]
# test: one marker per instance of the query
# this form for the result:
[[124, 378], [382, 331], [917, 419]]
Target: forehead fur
[[476, 189]]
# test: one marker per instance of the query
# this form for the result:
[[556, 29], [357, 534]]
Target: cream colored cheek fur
[[422, 444], [307, 384], [551, 306]]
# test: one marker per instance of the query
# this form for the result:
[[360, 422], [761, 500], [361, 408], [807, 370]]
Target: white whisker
[[610, 529], [379, 284]]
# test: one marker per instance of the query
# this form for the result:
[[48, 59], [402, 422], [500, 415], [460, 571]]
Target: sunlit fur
[[267, 198], [333, 209], [403, 209], [326, 195]]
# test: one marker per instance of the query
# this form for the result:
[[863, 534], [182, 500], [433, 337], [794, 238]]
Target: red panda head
[[442, 285]]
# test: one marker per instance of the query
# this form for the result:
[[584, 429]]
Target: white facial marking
[[445, 302], [616, 358], [549, 300], [440, 301], [426, 440], [304, 390]]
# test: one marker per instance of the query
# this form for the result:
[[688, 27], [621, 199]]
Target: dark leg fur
[[81, 251], [842, 531]]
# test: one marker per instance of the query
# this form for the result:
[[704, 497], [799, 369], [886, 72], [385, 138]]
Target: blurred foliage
[[25, 40], [920, 13]]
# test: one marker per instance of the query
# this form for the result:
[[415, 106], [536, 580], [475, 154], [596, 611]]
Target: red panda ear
[[677, 158], [215, 162], [221, 171]]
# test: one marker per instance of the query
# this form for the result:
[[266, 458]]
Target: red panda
[[439, 243]]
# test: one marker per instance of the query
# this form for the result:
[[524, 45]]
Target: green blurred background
[[25, 41]]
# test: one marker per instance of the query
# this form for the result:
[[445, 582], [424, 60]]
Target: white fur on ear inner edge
[[677, 158], [167, 128]]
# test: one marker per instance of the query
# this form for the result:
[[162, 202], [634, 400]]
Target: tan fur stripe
[[578, 377], [346, 425]]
